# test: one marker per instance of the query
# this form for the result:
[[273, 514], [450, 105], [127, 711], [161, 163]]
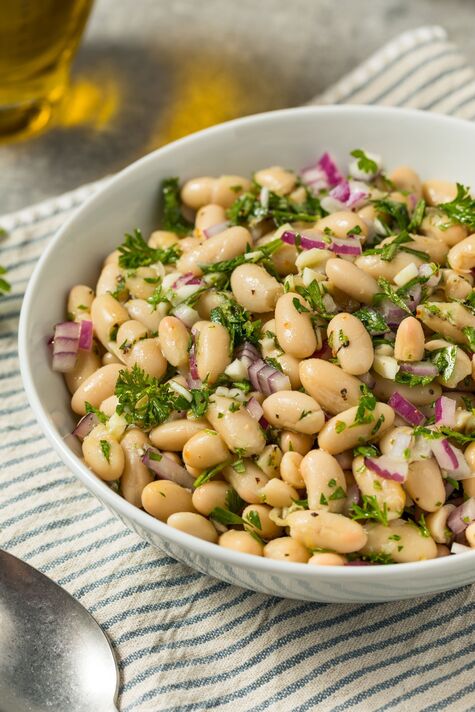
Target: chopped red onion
[[368, 379], [324, 352], [85, 335], [215, 229], [193, 367], [414, 296], [340, 246], [87, 423], [388, 468], [330, 169], [419, 368], [353, 496], [451, 459], [267, 379], [445, 411], [341, 191], [66, 345], [459, 519], [248, 353], [187, 279], [406, 409], [166, 468], [254, 408], [392, 314]]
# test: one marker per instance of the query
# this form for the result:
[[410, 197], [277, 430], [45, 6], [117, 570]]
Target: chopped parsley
[[209, 473], [445, 359], [233, 501], [417, 216], [144, 401], [366, 451], [247, 209], [393, 295], [4, 285], [388, 251], [339, 493], [260, 254], [158, 296], [365, 164], [201, 396], [340, 425], [237, 321], [173, 219], [314, 295], [301, 308], [373, 322], [378, 557], [411, 380], [397, 212], [134, 252], [102, 417], [370, 510], [106, 449], [469, 332], [462, 208], [366, 406]]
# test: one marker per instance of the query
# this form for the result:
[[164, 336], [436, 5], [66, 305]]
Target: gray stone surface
[[152, 70]]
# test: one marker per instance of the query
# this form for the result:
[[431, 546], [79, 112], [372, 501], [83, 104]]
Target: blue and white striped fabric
[[188, 642]]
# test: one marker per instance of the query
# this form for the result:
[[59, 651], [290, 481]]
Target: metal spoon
[[53, 655]]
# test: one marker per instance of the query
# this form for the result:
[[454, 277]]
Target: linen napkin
[[185, 641]]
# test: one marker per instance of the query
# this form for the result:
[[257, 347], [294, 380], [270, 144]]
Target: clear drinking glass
[[38, 40]]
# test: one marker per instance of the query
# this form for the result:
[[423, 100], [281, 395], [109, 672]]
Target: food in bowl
[[285, 368]]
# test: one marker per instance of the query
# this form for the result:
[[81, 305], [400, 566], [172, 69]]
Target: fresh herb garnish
[[421, 523], [134, 252], [445, 360], [366, 451], [260, 254], [388, 251], [373, 322], [366, 406], [233, 501], [105, 449], [144, 401], [248, 209], [314, 294], [237, 321], [201, 396], [102, 417], [378, 557], [392, 294], [365, 164], [4, 285], [173, 219], [417, 216], [158, 296], [395, 210], [339, 493], [209, 473], [469, 332], [370, 510], [412, 380], [462, 208]]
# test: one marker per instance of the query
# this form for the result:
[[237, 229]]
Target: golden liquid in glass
[[38, 39]]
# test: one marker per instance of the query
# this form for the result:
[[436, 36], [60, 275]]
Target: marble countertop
[[149, 71]]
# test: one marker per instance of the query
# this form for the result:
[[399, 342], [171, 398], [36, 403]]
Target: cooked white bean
[[194, 524], [352, 280], [87, 363], [388, 493], [286, 549], [258, 520], [462, 367], [208, 216], [103, 454], [239, 430], [79, 302], [456, 286], [325, 530], [277, 179], [128, 333], [290, 469], [437, 524], [470, 535], [351, 344], [243, 542], [249, 483], [175, 434], [163, 239], [324, 480], [294, 411], [212, 350], [107, 315], [461, 256], [211, 495], [436, 192], [402, 541], [148, 356], [142, 282], [227, 188], [197, 192], [293, 326], [435, 225], [425, 485], [295, 442], [334, 389], [409, 344], [377, 267], [406, 179], [111, 280], [136, 475], [162, 498], [419, 395], [144, 312], [278, 493], [205, 449], [254, 288], [174, 341], [224, 246], [327, 558], [342, 432], [269, 460], [96, 388], [341, 223]]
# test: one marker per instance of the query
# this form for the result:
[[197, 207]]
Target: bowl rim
[[127, 510]]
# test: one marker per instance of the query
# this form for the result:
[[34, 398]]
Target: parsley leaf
[[143, 400], [411, 380], [158, 296], [173, 220], [260, 254], [237, 321], [208, 474], [366, 451], [378, 557], [365, 164], [370, 510], [417, 216], [395, 210], [134, 252], [314, 294], [469, 332], [391, 294], [102, 417], [106, 449], [445, 359], [462, 208], [201, 396], [248, 209], [373, 322], [366, 406], [234, 502]]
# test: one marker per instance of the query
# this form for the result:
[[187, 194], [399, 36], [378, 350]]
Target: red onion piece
[[65, 345], [368, 379], [406, 409], [193, 367], [247, 352], [166, 468], [341, 191], [445, 411], [392, 314], [187, 279], [263, 423], [353, 496], [419, 368], [87, 423], [451, 459], [388, 468], [340, 246], [414, 296], [216, 229], [459, 519], [254, 408], [267, 379], [85, 335], [330, 169], [324, 352]]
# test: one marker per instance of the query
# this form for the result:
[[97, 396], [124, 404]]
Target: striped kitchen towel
[[189, 642]]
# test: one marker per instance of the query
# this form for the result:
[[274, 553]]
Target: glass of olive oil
[[38, 39]]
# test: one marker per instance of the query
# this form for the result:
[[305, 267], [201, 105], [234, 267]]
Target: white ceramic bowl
[[434, 145]]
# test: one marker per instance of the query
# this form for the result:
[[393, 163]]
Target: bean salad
[[286, 367]]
